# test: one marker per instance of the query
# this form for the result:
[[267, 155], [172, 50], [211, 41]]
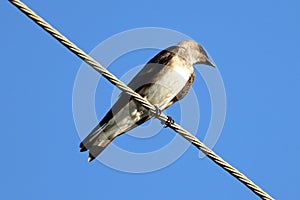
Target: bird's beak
[[210, 62]]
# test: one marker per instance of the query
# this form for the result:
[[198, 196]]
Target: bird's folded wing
[[142, 79]]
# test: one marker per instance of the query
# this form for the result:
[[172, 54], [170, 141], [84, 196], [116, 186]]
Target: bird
[[164, 80]]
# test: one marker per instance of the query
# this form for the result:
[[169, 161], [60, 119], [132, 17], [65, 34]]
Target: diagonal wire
[[162, 117]]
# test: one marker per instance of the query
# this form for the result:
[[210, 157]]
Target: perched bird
[[164, 80]]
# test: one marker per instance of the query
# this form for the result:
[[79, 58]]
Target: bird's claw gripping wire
[[157, 112], [169, 121]]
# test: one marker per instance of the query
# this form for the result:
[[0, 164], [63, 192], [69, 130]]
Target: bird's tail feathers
[[95, 142]]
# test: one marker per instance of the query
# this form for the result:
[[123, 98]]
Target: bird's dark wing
[[142, 79]]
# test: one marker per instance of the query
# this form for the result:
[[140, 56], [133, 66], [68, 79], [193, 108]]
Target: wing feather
[[144, 77]]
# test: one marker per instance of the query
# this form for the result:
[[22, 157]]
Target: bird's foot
[[157, 112], [169, 122]]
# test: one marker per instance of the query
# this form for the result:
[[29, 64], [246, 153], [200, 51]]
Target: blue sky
[[256, 47]]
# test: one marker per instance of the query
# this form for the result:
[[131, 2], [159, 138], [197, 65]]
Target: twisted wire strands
[[161, 116]]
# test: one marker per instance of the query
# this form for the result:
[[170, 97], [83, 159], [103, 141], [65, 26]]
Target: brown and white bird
[[164, 80]]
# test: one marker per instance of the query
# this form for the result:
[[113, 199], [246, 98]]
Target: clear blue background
[[256, 47]]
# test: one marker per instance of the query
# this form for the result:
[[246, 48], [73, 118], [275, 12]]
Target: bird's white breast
[[170, 82]]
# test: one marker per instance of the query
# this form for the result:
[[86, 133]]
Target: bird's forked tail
[[95, 142]]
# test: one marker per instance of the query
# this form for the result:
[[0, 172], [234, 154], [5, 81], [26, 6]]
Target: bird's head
[[195, 53]]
